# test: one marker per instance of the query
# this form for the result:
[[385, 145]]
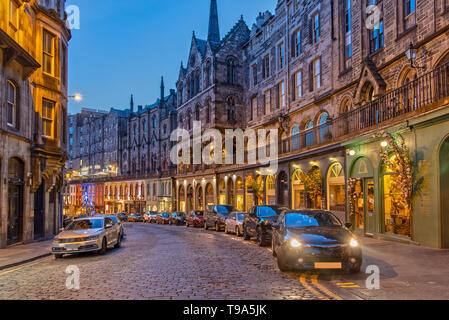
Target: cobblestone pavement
[[161, 262]]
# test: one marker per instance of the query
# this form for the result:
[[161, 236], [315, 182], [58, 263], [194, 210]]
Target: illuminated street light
[[384, 144], [352, 153], [77, 97]]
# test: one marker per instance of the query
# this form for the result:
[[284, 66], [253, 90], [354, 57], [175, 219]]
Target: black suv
[[258, 223], [216, 216]]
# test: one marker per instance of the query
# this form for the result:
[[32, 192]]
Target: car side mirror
[[61, 229], [348, 225]]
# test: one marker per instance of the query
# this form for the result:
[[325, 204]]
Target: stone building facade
[[328, 77], [33, 118], [123, 155]]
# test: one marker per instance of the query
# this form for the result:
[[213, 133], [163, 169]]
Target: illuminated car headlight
[[91, 238], [295, 243], [354, 243]]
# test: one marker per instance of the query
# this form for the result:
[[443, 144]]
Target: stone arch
[[443, 59]]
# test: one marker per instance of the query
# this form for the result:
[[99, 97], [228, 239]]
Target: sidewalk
[[406, 272], [20, 254]]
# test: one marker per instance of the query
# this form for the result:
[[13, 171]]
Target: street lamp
[[77, 97], [411, 56]]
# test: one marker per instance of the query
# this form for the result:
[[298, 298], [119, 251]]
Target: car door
[[278, 233], [111, 235], [231, 221]]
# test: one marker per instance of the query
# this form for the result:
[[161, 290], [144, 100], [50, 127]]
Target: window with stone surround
[[13, 14], [254, 73], [316, 27], [266, 67], [281, 55], [315, 74], [48, 64], [347, 33], [48, 110], [12, 106], [282, 96], [298, 84], [267, 101], [296, 43]]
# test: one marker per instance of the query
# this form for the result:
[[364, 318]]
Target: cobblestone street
[[161, 262]]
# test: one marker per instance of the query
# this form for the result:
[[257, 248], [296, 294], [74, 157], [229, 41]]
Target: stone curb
[[16, 264]]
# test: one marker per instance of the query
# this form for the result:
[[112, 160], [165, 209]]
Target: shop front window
[[397, 213], [298, 191], [336, 187]]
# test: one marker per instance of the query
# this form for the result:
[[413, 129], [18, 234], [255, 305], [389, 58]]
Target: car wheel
[[104, 247], [205, 226], [246, 237], [272, 248], [226, 229], [217, 229], [119, 242], [187, 224], [58, 256], [237, 231], [282, 265], [353, 268]]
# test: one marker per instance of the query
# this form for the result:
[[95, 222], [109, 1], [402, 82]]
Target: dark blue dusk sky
[[125, 46]]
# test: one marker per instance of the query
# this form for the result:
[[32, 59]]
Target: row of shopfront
[[133, 196], [390, 184]]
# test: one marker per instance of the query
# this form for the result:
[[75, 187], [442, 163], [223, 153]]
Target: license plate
[[72, 248], [328, 265]]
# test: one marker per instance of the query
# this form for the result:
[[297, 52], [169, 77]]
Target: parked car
[[149, 217], [195, 218], [116, 220], [315, 239], [258, 223], [67, 220], [163, 218], [178, 218], [234, 223], [122, 216], [216, 216], [87, 235], [135, 218]]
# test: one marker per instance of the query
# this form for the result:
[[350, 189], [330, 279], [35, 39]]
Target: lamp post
[[411, 56]]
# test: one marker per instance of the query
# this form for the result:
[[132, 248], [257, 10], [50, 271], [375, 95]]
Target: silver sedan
[[234, 223], [87, 235]]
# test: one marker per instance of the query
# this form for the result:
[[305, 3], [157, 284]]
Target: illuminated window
[[298, 85], [282, 97], [48, 108], [316, 74], [48, 53], [267, 98]]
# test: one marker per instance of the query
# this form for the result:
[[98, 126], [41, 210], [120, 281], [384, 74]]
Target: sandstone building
[[33, 118]]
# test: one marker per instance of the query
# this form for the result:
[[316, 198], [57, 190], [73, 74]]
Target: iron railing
[[415, 95]]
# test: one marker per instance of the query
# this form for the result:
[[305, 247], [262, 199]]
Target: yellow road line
[[345, 284], [324, 289], [24, 266], [303, 279], [355, 286]]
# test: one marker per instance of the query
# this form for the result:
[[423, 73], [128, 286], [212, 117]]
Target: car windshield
[[165, 215], [86, 224], [240, 216], [270, 211], [311, 219], [114, 218], [225, 209]]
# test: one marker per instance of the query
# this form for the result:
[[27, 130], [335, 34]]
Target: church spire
[[162, 90], [131, 103], [214, 30]]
